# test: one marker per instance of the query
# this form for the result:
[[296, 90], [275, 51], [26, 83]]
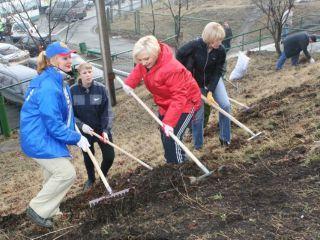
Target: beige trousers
[[59, 175]]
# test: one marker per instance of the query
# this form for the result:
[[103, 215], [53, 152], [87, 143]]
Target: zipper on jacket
[[204, 70]]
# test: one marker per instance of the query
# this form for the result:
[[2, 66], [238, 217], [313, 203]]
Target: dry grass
[[136, 132]]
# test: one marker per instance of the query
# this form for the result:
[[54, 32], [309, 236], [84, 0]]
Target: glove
[[312, 61], [105, 137], [87, 129], [127, 89], [167, 129], [83, 143], [210, 98]]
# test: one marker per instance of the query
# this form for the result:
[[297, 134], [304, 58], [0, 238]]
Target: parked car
[[21, 29], [35, 44], [67, 10], [11, 54], [15, 74], [76, 60]]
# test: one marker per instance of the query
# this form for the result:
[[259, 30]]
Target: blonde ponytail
[[42, 62]]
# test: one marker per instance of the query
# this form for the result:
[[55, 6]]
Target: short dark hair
[[313, 38]]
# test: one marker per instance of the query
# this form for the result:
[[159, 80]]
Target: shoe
[[47, 223], [224, 143], [87, 185]]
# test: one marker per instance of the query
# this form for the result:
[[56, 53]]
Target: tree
[[18, 12], [275, 12], [176, 13]]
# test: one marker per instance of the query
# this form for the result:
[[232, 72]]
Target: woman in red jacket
[[173, 88]]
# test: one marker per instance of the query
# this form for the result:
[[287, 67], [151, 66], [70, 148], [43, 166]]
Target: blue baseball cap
[[57, 49]]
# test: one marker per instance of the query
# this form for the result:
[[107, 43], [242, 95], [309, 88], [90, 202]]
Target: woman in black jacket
[[205, 58]]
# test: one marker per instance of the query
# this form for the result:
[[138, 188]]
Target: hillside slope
[[268, 190]]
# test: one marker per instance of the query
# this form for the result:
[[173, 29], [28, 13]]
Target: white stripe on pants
[[59, 176]]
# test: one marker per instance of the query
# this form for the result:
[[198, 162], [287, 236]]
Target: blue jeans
[[221, 97], [282, 59]]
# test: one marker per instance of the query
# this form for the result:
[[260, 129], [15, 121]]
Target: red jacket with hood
[[174, 89]]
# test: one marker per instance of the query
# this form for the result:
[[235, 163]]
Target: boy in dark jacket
[[93, 113], [293, 45]]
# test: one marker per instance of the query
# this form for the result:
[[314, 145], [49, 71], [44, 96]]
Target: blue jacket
[[43, 118]]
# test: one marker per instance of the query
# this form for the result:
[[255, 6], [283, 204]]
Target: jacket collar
[[55, 73]]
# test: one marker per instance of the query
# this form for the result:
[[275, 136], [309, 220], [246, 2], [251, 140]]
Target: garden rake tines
[[105, 182]]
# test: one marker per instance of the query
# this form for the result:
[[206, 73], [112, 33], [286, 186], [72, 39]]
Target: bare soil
[[268, 189]]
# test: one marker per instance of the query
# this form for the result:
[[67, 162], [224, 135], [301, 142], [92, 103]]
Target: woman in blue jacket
[[46, 128]]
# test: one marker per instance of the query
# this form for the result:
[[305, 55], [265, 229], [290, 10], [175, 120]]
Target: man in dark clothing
[[293, 45], [93, 113], [227, 40]]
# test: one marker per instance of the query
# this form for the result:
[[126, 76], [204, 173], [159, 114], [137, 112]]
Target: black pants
[[173, 153], [107, 157]]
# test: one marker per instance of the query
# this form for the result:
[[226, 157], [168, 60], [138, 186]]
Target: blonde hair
[[83, 66], [43, 61], [213, 32], [149, 44]]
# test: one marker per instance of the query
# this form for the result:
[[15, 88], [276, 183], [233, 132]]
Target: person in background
[[227, 45], [47, 126], [287, 22], [293, 45], [173, 88], [205, 58], [228, 37], [2, 30], [93, 113]]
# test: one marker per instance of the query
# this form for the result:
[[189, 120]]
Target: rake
[[233, 119], [104, 180], [239, 103], [174, 137], [121, 150]]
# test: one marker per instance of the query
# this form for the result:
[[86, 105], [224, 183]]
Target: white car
[[12, 55], [10, 75]]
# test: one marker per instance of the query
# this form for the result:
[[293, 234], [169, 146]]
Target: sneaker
[[224, 143], [88, 185], [47, 223]]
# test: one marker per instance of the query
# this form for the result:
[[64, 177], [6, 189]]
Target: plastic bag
[[241, 67]]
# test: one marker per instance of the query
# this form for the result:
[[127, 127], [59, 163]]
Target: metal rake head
[[197, 179], [121, 193], [259, 134]]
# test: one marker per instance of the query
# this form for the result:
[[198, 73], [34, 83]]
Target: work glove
[[83, 143], [210, 98], [105, 137], [128, 90], [311, 61], [87, 129], [167, 129]]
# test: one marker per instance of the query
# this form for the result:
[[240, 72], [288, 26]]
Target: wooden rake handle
[[123, 151], [96, 165], [239, 103], [233, 119], [174, 137]]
